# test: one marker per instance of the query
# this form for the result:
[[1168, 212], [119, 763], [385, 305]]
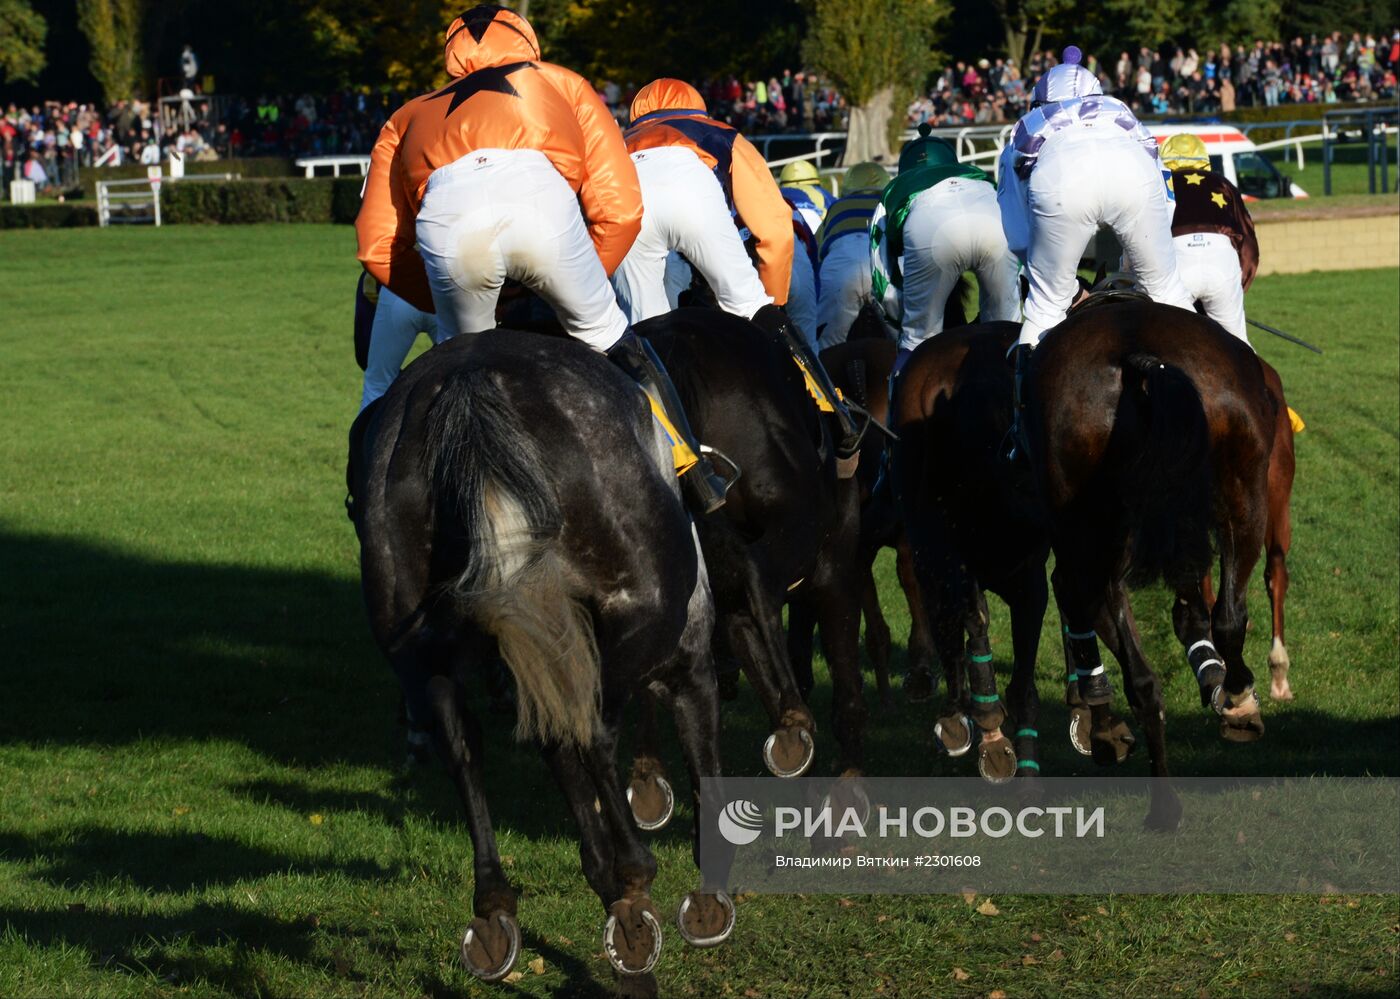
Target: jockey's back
[[502, 97]]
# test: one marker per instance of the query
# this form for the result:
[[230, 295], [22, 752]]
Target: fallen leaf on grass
[[1057, 955], [316, 818], [537, 966], [564, 941], [844, 903], [1239, 838], [514, 977], [969, 897], [752, 994], [1290, 937], [996, 994], [988, 909], [960, 976], [1036, 938], [1101, 911], [180, 810], [1027, 960]]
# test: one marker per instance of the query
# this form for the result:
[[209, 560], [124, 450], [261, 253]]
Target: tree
[[876, 52], [113, 29], [1025, 23], [22, 32]]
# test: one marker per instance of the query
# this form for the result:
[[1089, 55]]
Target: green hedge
[[322, 199], [256, 166], [48, 216]]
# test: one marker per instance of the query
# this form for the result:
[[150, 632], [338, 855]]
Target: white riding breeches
[[684, 210], [396, 325], [1087, 178], [955, 226], [845, 287], [802, 295], [507, 213], [1210, 270]]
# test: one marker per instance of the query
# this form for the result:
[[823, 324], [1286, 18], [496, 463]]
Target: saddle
[[1109, 290]]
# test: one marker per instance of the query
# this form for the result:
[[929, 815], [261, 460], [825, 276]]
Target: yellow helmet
[[1185, 152], [863, 176], [799, 172]]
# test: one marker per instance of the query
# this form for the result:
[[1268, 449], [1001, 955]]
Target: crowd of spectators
[[1174, 80], [47, 143]]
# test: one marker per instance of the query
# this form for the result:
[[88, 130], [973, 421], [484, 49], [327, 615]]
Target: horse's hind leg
[[877, 631], [649, 793], [632, 936], [996, 760], [1278, 538], [1144, 692], [918, 680], [756, 639], [706, 916], [1241, 540], [491, 943], [1028, 601]]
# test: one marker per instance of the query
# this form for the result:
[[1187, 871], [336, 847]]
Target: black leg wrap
[[1207, 666], [982, 682], [1094, 686]]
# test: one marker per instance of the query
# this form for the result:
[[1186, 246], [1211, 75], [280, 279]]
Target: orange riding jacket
[[670, 112], [501, 97]]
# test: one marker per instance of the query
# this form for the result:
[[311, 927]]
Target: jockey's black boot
[[1020, 362], [704, 487], [775, 320]]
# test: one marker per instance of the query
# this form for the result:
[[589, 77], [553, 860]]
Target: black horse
[[975, 523], [1150, 430], [512, 491], [787, 535]]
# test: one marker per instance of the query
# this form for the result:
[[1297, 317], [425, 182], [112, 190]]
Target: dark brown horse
[[1150, 431], [975, 524]]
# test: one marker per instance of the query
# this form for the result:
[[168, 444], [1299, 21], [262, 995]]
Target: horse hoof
[[652, 800], [848, 794], [948, 732], [1240, 718], [490, 946], [789, 752], [632, 936], [1164, 814], [918, 686], [996, 760], [706, 920], [1111, 744], [1079, 726]]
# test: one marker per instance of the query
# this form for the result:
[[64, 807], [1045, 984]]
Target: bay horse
[[512, 491], [787, 535], [1150, 430], [974, 523]]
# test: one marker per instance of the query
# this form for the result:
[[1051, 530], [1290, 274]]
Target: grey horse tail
[[515, 585]]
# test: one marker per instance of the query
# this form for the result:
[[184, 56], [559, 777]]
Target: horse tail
[[955, 309], [1166, 480], [488, 477]]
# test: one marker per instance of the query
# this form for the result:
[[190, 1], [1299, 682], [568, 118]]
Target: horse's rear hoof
[[1240, 717], [996, 760], [918, 686], [490, 946], [954, 734], [1080, 724], [706, 920], [652, 800], [632, 936], [1164, 814], [1112, 744], [789, 752]]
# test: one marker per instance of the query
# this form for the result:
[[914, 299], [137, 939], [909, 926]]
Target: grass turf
[[197, 742]]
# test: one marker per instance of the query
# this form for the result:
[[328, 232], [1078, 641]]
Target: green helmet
[[927, 150]]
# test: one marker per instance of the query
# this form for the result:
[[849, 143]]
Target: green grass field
[[198, 750]]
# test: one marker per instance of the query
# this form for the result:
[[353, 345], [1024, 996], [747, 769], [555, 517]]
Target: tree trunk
[[867, 135]]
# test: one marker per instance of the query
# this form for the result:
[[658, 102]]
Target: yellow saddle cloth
[[813, 388], [681, 454]]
